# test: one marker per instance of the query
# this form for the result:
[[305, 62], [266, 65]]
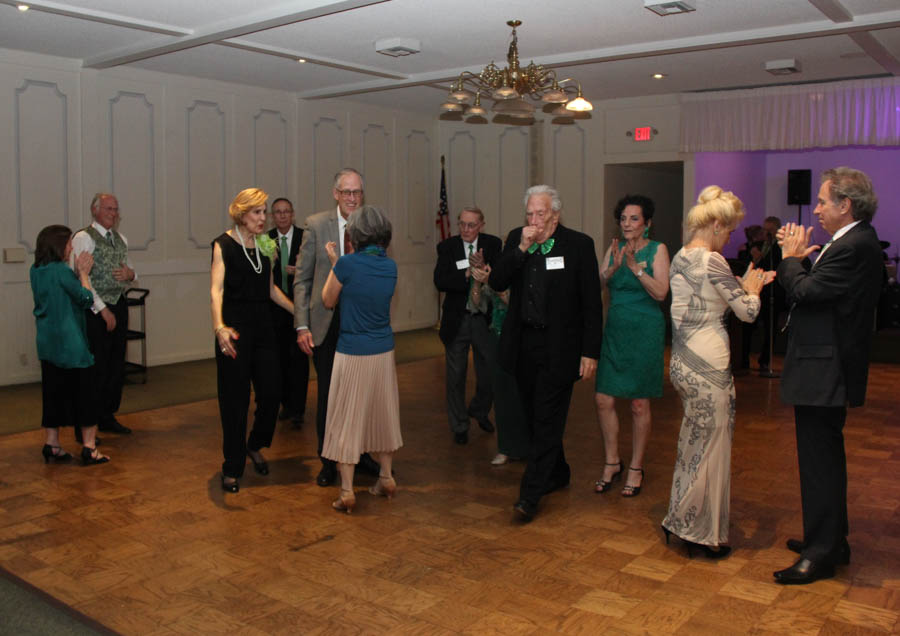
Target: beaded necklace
[[257, 267]]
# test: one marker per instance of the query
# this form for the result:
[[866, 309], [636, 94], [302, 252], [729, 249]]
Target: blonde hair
[[245, 201], [714, 204]]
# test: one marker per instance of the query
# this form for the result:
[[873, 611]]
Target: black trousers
[[823, 479], [323, 359], [67, 396], [293, 362], [474, 332], [546, 405], [256, 362], [108, 348]]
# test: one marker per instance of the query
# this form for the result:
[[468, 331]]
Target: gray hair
[[100, 195], [369, 226], [854, 185], [343, 172], [555, 201]]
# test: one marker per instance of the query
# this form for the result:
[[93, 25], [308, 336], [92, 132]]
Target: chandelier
[[509, 87]]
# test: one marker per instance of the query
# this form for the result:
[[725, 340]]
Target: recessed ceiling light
[[22, 7], [658, 75], [668, 8], [300, 60]]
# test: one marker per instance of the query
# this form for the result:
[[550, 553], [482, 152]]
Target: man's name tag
[[556, 262], [462, 263]]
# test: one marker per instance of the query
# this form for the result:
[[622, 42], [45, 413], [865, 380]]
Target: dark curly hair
[[644, 203]]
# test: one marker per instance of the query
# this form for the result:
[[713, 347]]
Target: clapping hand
[[794, 240], [331, 249]]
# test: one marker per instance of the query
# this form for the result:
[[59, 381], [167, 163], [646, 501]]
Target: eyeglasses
[[469, 226], [350, 193]]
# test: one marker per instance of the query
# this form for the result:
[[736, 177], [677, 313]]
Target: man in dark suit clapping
[[294, 362], [826, 366], [463, 325], [552, 332]]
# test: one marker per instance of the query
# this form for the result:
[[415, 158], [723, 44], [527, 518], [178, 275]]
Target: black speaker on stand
[[799, 186]]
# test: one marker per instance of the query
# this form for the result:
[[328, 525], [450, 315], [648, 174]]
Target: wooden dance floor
[[149, 543]]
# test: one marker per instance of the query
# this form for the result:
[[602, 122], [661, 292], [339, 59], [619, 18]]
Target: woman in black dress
[[241, 290]]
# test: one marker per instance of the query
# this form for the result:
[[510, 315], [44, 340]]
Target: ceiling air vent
[[398, 47], [668, 8], [787, 66]]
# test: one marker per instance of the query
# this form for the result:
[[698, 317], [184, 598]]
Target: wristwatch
[[640, 273]]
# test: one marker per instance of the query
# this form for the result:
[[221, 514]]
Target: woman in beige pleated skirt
[[363, 404]]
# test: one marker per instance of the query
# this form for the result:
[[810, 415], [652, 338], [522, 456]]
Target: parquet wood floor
[[149, 544]]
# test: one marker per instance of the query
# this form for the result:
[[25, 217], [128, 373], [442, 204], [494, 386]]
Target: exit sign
[[643, 133]]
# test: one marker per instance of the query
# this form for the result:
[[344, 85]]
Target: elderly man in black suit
[[552, 332], [294, 362], [826, 365], [462, 325]]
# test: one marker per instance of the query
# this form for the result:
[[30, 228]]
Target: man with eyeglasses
[[317, 326], [294, 362], [463, 325], [107, 318]]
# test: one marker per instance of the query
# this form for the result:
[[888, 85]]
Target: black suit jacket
[[453, 281], [574, 307], [832, 316]]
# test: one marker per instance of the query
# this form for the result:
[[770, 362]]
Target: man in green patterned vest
[[107, 318]]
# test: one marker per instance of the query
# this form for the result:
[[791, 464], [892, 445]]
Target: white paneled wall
[[175, 150]]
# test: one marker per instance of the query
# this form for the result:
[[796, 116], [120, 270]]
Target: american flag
[[443, 215]]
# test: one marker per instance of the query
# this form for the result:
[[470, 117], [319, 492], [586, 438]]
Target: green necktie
[[284, 258], [109, 237]]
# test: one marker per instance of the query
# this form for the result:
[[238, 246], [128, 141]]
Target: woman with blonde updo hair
[[703, 291], [241, 289]]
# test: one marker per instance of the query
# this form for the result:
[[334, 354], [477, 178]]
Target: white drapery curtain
[[849, 113]]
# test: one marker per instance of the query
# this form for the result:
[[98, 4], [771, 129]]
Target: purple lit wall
[[764, 189], [744, 173]]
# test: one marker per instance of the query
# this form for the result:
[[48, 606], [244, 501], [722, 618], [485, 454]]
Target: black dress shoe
[[843, 553], [326, 476], [112, 425], [804, 571], [485, 425], [461, 438], [524, 510], [232, 486], [368, 466], [262, 467]]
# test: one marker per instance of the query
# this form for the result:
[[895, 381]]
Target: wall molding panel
[[327, 158], [206, 170], [417, 185], [271, 139], [132, 163], [513, 174], [570, 172], [376, 149], [462, 171], [41, 158]]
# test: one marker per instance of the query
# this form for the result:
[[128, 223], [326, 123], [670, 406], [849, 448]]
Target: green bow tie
[[546, 246]]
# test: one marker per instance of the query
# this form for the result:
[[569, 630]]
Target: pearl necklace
[[257, 267]]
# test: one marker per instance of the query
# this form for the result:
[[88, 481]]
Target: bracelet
[[218, 329]]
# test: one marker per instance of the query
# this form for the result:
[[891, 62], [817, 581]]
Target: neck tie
[[283, 257], [109, 237], [348, 248], [471, 247]]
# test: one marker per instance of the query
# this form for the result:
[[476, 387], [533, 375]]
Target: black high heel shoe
[[91, 456], [262, 467], [232, 486], [722, 552], [666, 532], [633, 491], [54, 454], [602, 485]]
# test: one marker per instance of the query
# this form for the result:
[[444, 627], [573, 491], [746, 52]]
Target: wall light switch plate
[[13, 254]]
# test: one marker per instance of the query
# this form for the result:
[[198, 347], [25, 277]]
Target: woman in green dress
[[635, 270]]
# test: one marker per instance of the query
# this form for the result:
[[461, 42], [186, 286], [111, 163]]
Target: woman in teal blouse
[[60, 298]]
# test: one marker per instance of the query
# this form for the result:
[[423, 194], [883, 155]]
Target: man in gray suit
[[317, 326]]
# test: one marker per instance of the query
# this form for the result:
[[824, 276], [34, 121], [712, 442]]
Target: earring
[[716, 232], [647, 232]]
